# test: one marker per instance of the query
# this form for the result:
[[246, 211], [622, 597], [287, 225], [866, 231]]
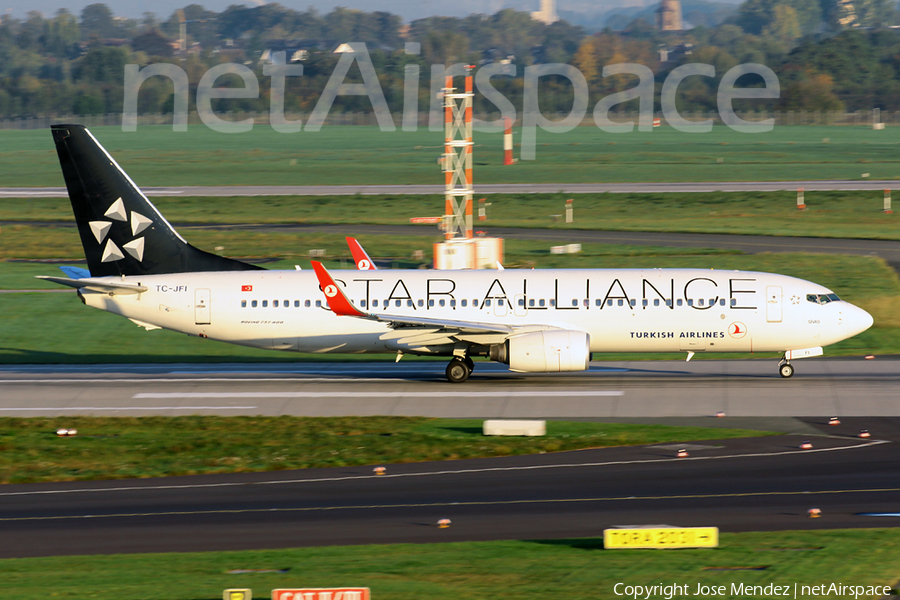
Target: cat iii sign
[[322, 594]]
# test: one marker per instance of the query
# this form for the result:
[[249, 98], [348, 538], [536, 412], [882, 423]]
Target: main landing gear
[[785, 369], [459, 369]]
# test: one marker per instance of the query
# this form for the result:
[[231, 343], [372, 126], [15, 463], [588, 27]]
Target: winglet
[[337, 301], [360, 257]]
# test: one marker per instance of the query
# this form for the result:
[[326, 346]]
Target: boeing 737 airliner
[[532, 320]]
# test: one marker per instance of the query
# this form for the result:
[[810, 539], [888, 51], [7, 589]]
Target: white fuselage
[[622, 310]]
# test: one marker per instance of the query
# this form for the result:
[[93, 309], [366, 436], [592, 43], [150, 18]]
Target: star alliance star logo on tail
[[101, 229]]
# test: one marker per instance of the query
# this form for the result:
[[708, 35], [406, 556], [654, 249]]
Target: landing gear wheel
[[457, 371], [470, 363], [786, 370]]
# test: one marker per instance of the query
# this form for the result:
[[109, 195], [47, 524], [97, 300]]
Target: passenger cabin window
[[587, 302], [700, 302], [253, 304], [306, 303], [374, 302], [552, 301], [453, 303], [521, 302], [318, 303], [286, 303], [274, 303], [441, 302], [633, 303], [409, 303], [574, 302], [531, 302], [499, 301], [644, 302], [621, 302], [464, 302], [475, 303], [265, 303], [430, 303], [598, 302], [678, 302], [296, 304], [656, 302], [542, 302], [421, 303], [362, 303], [487, 302], [398, 303], [243, 304], [734, 301]]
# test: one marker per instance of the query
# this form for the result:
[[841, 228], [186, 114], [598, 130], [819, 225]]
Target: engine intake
[[550, 351]]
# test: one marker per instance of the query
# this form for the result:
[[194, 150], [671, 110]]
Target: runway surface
[[750, 484], [641, 389], [490, 188]]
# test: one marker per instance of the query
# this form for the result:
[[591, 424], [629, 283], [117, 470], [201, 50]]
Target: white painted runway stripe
[[115, 408], [364, 394], [142, 488]]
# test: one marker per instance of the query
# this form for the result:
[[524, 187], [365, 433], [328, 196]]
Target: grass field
[[123, 448], [828, 214], [575, 569], [155, 155]]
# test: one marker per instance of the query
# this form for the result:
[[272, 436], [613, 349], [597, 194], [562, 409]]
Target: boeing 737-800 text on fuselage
[[533, 320]]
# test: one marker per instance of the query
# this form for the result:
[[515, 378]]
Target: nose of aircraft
[[857, 320]]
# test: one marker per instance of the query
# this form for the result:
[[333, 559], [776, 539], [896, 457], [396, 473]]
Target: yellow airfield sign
[[661, 537]]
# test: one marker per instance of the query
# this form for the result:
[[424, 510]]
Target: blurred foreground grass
[[576, 569]]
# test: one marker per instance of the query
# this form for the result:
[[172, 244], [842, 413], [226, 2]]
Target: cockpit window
[[822, 298]]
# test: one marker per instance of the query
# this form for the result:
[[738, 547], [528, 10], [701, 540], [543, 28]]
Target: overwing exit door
[[773, 304], [201, 307]]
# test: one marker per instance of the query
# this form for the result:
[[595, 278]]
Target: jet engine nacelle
[[549, 351]]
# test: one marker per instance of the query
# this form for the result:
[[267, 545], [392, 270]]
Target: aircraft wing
[[97, 285], [341, 306], [360, 256]]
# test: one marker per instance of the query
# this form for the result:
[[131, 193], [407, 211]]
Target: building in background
[[668, 15], [547, 13]]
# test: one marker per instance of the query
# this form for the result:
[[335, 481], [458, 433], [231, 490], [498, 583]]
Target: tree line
[[828, 55]]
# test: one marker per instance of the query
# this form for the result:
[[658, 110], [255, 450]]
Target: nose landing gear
[[785, 369]]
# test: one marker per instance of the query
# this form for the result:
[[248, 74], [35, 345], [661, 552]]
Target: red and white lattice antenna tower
[[458, 158]]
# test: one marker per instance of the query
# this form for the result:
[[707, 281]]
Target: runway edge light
[[237, 594]]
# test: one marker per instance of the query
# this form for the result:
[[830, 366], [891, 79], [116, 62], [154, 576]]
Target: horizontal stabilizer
[[97, 285], [75, 272]]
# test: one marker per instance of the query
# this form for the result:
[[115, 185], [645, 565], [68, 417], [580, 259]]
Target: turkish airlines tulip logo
[[330, 291], [737, 330], [363, 265]]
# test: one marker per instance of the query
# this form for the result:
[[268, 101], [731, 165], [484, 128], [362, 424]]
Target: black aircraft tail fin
[[121, 231]]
